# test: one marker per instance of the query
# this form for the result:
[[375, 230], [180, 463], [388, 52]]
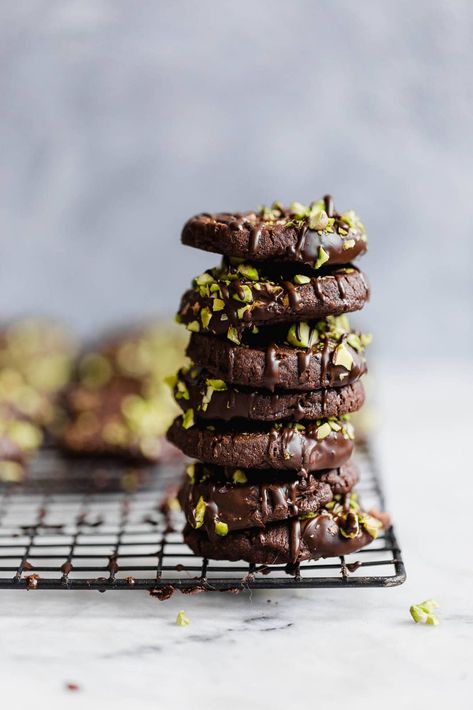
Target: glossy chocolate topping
[[311, 448], [265, 496]]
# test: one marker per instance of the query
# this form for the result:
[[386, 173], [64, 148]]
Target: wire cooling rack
[[83, 524]]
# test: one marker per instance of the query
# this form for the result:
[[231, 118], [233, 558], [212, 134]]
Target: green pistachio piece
[[334, 425], [318, 219], [248, 271], [190, 471], [203, 279], [354, 522], [182, 619], [241, 311], [182, 391], [232, 334], [205, 317], [193, 326], [324, 430], [366, 339], [424, 613], [239, 476], [298, 210], [302, 335], [218, 385], [371, 524], [343, 357], [321, 259], [354, 340], [350, 218], [218, 304], [188, 419], [221, 528], [348, 243], [178, 318], [244, 294], [308, 516], [255, 330], [301, 279], [199, 513], [342, 231]]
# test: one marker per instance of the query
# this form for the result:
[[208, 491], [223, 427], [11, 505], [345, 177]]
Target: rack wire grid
[[92, 524]]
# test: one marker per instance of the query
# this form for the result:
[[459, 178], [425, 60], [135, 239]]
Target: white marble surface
[[345, 648]]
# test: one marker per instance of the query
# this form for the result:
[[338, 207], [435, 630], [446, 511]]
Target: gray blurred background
[[120, 119]]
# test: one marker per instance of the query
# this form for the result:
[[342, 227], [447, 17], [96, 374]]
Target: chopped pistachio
[[342, 231], [334, 425], [366, 339], [324, 430], [298, 209], [221, 528], [307, 516], [248, 271], [182, 391], [255, 330], [218, 304], [348, 244], [232, 334], [205, 317], [193, 326], [301, 279], [354, 340], [318, 219], [343, 357], [371, 524], [321, 259], [354, 522], [302, 335], [190, 471], [188, 419], [244, 294], [204, 279], [424, 612], [239, 476], [218, 385], [241, 311], [199, 513], [182, 619]]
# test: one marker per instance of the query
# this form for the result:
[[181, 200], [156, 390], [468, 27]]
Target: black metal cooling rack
[[80, 524]]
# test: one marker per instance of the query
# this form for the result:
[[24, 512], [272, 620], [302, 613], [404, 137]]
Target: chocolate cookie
[[327, 533], [313, 447], [214, 399], [116, 419], [315, 234], [311, 357], [226, 499], [238, 297]]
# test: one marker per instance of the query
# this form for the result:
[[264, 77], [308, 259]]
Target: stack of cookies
[[276, 371]]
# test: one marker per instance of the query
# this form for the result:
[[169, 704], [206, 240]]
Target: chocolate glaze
[[268, 496], [278, 543], [283, 367], [334, 292], [250, 235], [263, 405], [263, 447]]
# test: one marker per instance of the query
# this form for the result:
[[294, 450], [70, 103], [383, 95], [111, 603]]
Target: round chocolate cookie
[[322, 360], [286, 542], [314, 234], [214, 399], [313, 447], [238, 297], [226, 499]]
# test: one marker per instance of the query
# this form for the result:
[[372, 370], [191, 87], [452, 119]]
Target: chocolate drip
[[329, 208], [293, 295], [255, 236], [272, 366]]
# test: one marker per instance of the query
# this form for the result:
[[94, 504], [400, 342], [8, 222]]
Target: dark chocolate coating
[[341, 291], [266, 497], [274, 366], [248, 236], [265, 447], [262, 405], [289, 541]]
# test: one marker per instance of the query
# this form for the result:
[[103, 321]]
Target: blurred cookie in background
[[36, 360], [118, 403]]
